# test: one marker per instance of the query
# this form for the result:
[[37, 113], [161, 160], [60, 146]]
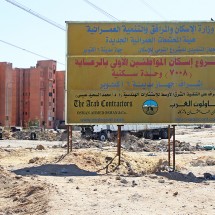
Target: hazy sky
[[24, 30]]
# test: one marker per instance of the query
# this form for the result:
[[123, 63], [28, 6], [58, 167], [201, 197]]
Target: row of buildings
[[31, 96]]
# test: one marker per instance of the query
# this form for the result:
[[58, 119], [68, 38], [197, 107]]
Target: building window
[[53, 100], [50, 123], [50, 94], [41, 103], [53, 90], [26, 113], [53, 109], [50, 74]]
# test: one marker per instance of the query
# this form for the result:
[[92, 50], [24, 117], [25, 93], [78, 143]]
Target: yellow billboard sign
[[124, 107], [168, 38], [140, 73], [132, 87]]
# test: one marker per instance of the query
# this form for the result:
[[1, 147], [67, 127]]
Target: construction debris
[[129, 142]]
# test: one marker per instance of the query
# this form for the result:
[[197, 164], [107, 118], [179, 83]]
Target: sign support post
[[173, 147], [169, 145], [119, 144]]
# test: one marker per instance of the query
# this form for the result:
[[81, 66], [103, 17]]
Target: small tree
[[34, 122]]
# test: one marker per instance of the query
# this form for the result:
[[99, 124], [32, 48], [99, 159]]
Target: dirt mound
[[19, 195], [203, 161], [3, 153], [107, 162]]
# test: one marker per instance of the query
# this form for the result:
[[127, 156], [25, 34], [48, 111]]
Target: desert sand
[[89, 180]]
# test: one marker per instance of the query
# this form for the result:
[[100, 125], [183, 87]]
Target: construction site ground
[[39, 177]]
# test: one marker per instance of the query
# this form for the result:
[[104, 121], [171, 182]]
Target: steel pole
[[173, 147], [70, 138], [169, 145], [67, 139], [119, 144]]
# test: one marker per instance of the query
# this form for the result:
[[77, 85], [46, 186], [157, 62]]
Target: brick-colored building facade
[[29, 96], [8, 102], [60, 104]]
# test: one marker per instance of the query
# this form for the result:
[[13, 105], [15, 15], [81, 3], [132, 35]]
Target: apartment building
[[60, 95], [32, 95], [8, 98]]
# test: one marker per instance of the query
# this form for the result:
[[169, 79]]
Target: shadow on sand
[[177, 176], [54, 170]]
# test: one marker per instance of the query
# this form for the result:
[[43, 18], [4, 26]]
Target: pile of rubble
[[133, 143], [129, 142], [49, 135], [203, 161]]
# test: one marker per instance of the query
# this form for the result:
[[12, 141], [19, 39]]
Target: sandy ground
[[90, 181]]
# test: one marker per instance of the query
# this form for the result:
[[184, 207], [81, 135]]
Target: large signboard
[[140, 73]]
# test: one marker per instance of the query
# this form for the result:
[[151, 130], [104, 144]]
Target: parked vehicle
[[1, 129], [15, 128], [60, 124], [105, 132], [1, 132]]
